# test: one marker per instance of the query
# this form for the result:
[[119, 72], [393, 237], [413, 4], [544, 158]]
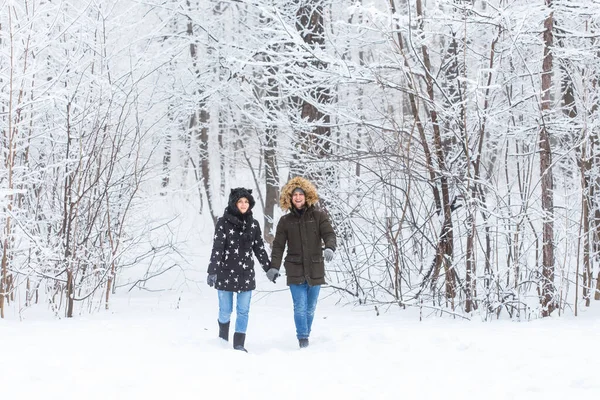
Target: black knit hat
[[298, 189], [237, 194]]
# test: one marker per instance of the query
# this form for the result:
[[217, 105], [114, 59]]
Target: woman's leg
[[242, 311], [225, 306]]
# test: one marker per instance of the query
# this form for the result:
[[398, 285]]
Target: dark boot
[[238, 341], [224, 331], [303, 343]]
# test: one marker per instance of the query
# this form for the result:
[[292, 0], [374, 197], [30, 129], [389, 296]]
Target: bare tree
[[199, 123], [547, 187], [314, 124]]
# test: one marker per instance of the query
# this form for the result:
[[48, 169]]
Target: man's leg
[[299, 297], [312, 298]]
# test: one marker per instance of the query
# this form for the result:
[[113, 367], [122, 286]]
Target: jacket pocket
[[317, 269], [293, 266], [317, 258], [293, 259]]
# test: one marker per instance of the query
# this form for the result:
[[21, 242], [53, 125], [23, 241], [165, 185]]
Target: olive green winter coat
[[305, 234]]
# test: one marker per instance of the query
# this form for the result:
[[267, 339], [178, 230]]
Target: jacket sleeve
[[327, 233], [218, 250], [258, 246], [278, 244]]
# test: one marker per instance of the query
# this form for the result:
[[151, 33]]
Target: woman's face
[[243, 205]]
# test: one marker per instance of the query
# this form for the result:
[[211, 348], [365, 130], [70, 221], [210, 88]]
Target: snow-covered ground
[[157, 346]]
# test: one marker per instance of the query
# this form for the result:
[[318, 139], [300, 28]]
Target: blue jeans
[[305, 302], [242, 309]]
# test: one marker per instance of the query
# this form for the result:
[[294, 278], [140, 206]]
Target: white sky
[[147, 348]]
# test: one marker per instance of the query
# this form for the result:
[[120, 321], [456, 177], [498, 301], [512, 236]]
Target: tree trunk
[[585, 168], [222, 160], [477, 193], [315, 141], [445, 247], [412, 101], [167, 162], [548, 289], [198, 126], [9, 141], [272, 185], [204, 160]]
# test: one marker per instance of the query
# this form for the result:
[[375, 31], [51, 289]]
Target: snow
[[159, 345], [163, 344]]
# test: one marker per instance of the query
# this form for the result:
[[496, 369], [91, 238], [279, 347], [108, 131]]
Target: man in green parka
[[310, 241]]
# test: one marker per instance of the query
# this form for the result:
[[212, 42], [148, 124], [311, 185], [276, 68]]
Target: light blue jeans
[[305, 302], [242, 308]]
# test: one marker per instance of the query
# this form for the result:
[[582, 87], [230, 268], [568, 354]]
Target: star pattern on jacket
[[236, 241]]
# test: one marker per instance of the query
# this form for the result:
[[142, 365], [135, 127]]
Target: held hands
[[328, 254], [272, 274], [211, 279]]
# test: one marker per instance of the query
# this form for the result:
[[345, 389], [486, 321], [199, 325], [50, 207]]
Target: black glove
[[328, 254], [272, 274], [211, 279]]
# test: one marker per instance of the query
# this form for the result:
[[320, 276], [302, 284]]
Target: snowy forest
[[454, 143]]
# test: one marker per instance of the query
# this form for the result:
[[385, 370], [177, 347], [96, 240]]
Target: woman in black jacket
[[231, 268]]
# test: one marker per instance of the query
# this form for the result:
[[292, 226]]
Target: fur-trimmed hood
[[310, 193]]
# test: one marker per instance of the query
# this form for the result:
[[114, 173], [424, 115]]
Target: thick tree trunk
[[270, 151], [548, 289], [585, 167], [313, 142], [272, 185], [204, 161]]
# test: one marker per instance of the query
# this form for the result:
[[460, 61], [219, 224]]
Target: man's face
[[298, 200]]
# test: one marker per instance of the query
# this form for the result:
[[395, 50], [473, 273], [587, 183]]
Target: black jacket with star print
[[237, 236]]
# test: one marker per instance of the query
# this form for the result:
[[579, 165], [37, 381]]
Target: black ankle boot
[[238, 341], [224, 331], [303, 343]]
